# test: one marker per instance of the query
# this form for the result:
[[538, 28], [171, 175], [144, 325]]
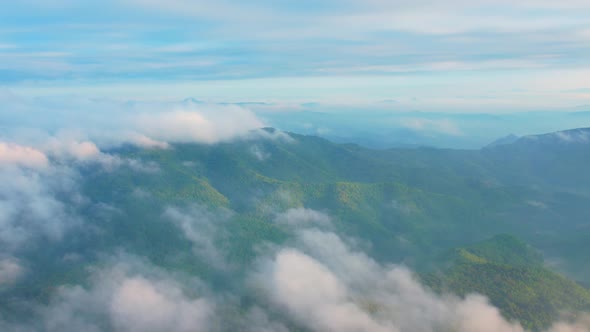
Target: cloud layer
[[318, 280], [457, 54], [78, 127], [328, 287], [129, 295], [325, 285]]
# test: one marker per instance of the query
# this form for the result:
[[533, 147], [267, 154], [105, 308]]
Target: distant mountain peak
[[269, 129], [571, 136], [191, 100]]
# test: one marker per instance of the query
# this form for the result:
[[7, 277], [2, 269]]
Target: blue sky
[[429, 55]]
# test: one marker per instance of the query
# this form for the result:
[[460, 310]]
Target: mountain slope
[[513, 277], [413, 202], [408, 206]]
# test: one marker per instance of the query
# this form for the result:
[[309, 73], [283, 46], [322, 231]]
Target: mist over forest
[[193, 221], [310, 165]]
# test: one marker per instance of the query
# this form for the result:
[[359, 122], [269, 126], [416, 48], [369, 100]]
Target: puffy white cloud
[[210, 124], [30, 207], [321, 282], [325, 285], [39, 195], [78, 127], [18, 155], [139, 304], [68, 148], [128, 296], [315, 296]]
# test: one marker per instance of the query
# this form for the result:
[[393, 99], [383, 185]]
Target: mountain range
[[509, 221]]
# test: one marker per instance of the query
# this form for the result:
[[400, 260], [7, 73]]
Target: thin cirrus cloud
[[88, 45]]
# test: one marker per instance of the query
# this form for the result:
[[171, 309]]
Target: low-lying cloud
[[29, 203], [324, 284], [210, 124], [302, 217], [128, 295], [205, 229], [318, 281], [18, 155], [328, 288], [80, 123]]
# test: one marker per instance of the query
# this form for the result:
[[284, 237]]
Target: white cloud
[[127, 296], [315, 296], [139, 304], [325, 285], [449, 21], [204, 228], [432, 17], [273, 135], [71, 149], [147, 142], [29, 207], [320, 282], [78, 128], [210, 125], [14, 154], [259, 153]]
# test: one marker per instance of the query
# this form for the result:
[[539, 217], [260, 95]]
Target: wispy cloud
[[201, 41]]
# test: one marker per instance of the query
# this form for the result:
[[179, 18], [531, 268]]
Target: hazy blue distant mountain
[[553, 160], [389, 127], [572, 136]]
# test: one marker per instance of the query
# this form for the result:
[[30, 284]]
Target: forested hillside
[[422, 208]]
